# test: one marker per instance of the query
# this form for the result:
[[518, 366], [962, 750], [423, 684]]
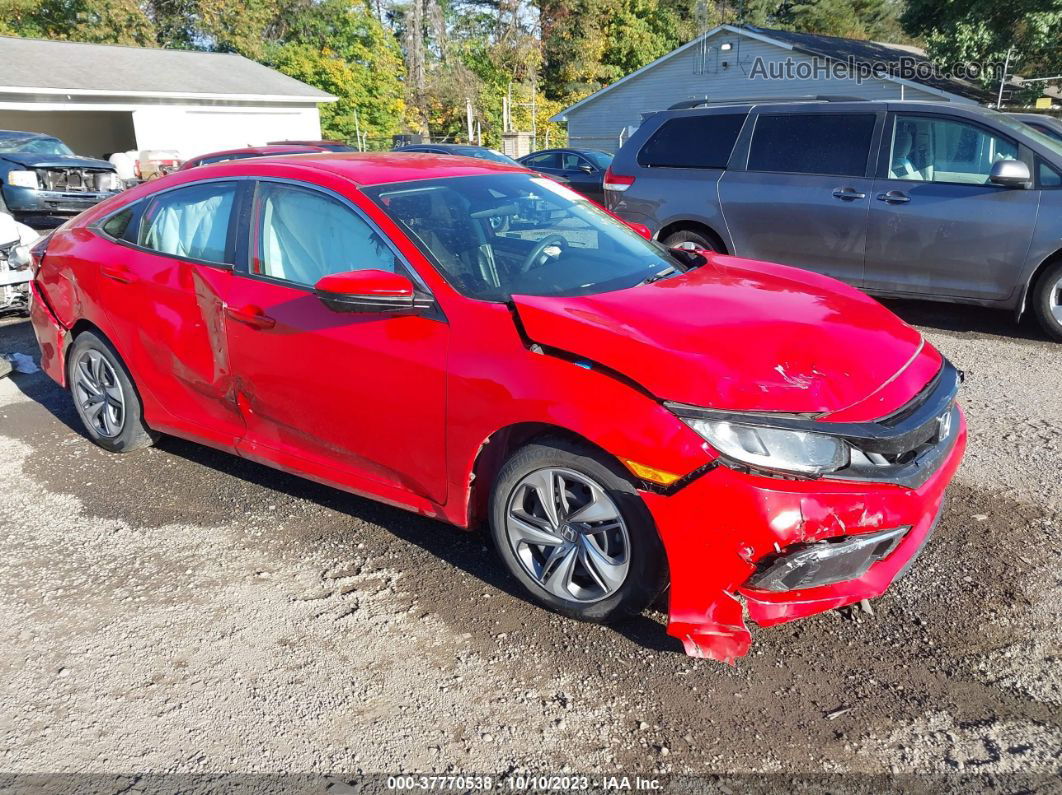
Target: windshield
[[1054, 146], [498, 235], [36, 145]]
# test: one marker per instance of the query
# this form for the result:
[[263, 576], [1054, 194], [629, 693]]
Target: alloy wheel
[[99, 394], [568, 535], [1054, 300]]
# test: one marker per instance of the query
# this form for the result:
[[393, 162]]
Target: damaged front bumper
[[744, 545]]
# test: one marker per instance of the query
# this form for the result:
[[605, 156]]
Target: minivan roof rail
[[703, 103]]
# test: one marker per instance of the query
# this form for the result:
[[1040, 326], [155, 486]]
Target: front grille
[[74, 180]]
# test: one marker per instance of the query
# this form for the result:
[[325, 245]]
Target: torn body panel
[[712, 554]]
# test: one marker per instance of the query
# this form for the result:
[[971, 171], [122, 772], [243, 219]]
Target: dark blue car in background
[[40, 175]]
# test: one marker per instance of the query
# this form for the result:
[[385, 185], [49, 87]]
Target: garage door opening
[[89, 133]]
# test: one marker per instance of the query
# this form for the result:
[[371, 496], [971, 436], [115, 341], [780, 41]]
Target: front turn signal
[[652, 474]]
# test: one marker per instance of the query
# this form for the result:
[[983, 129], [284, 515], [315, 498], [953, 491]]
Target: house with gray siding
[[742, 62]]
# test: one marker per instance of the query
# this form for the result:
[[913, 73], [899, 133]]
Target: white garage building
[[101, 98]]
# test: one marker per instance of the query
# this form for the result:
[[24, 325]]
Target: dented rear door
[[164, 291]]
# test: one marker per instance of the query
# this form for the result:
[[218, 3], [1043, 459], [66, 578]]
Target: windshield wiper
[[670, 270]]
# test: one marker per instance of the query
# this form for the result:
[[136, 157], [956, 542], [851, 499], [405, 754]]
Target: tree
[[96, 21], [590, 43], [981, 32], [342, 48]]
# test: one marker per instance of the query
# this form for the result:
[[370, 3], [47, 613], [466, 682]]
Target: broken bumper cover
[[51, 336], [725, 530]]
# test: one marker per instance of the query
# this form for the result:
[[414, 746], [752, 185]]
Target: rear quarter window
[[692, 142]]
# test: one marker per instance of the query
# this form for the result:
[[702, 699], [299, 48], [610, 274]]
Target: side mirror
[[369, 291], [641, 229], [1010, 174], [586, 168]]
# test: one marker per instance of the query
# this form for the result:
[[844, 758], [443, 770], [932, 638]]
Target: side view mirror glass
[[369, 291], [1010, 174]]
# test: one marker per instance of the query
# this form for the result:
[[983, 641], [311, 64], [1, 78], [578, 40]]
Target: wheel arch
[[1031, 283], [496, 449], [692, 225]]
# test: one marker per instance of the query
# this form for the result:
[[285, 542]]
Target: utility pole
[[1003, 80]]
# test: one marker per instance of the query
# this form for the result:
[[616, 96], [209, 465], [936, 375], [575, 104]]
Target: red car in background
[[474, 342], [249, 152]]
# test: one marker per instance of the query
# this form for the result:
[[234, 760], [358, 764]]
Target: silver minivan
[[903, 199]]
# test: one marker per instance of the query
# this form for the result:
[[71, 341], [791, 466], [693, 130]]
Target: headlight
[[770, 448], [23, 179], [109, 182]]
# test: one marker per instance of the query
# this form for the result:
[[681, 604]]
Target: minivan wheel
[[570, 526], [1047, 300], [698, 239], [104, 396]]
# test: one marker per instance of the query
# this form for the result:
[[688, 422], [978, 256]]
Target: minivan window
[[704, 141], [191, 223], [926, 149], [1047, 176], [837, 144]]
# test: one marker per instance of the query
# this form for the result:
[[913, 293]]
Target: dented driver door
[[164, 292], [354, 399]]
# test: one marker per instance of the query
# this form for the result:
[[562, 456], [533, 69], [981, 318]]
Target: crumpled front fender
[[716, 528]]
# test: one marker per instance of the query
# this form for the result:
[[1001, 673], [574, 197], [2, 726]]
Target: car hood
[[35, 160], [734, 334]]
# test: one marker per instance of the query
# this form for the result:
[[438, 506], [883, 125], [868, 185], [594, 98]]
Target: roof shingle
[[114, 69]]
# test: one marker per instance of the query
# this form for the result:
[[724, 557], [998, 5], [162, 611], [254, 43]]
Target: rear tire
[[599, 558], [699, 239], [104, 396], [1047, 301]]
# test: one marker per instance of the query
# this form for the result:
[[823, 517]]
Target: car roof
[[440, 146], [276, 149], [376, 168]]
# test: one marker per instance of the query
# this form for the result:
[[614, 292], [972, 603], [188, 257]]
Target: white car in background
[[15, 242]]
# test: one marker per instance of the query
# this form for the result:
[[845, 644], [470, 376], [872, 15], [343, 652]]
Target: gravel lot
[[181, 610]]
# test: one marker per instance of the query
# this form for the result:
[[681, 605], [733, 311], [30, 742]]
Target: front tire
[[104, 396], [1047, 301], [570, 526]]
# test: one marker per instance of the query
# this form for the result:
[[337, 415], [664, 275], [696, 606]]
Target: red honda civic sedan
[[477, 343]]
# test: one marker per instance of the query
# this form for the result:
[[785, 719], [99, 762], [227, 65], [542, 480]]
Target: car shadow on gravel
[[471, 552]]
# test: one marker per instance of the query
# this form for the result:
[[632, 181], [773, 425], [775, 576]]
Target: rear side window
[[812, 143], [191, 223], [118, 224], [546, 160], [692, 142]]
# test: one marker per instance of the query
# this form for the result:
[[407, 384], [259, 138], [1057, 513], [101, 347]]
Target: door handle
[[848, 193], [894, 197], [118, 272], [251, 315]]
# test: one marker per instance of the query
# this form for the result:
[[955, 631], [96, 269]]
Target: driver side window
[[945, 150], [300, 235]]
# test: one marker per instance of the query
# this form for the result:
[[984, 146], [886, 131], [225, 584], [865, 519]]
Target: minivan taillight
[[616, 182]]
